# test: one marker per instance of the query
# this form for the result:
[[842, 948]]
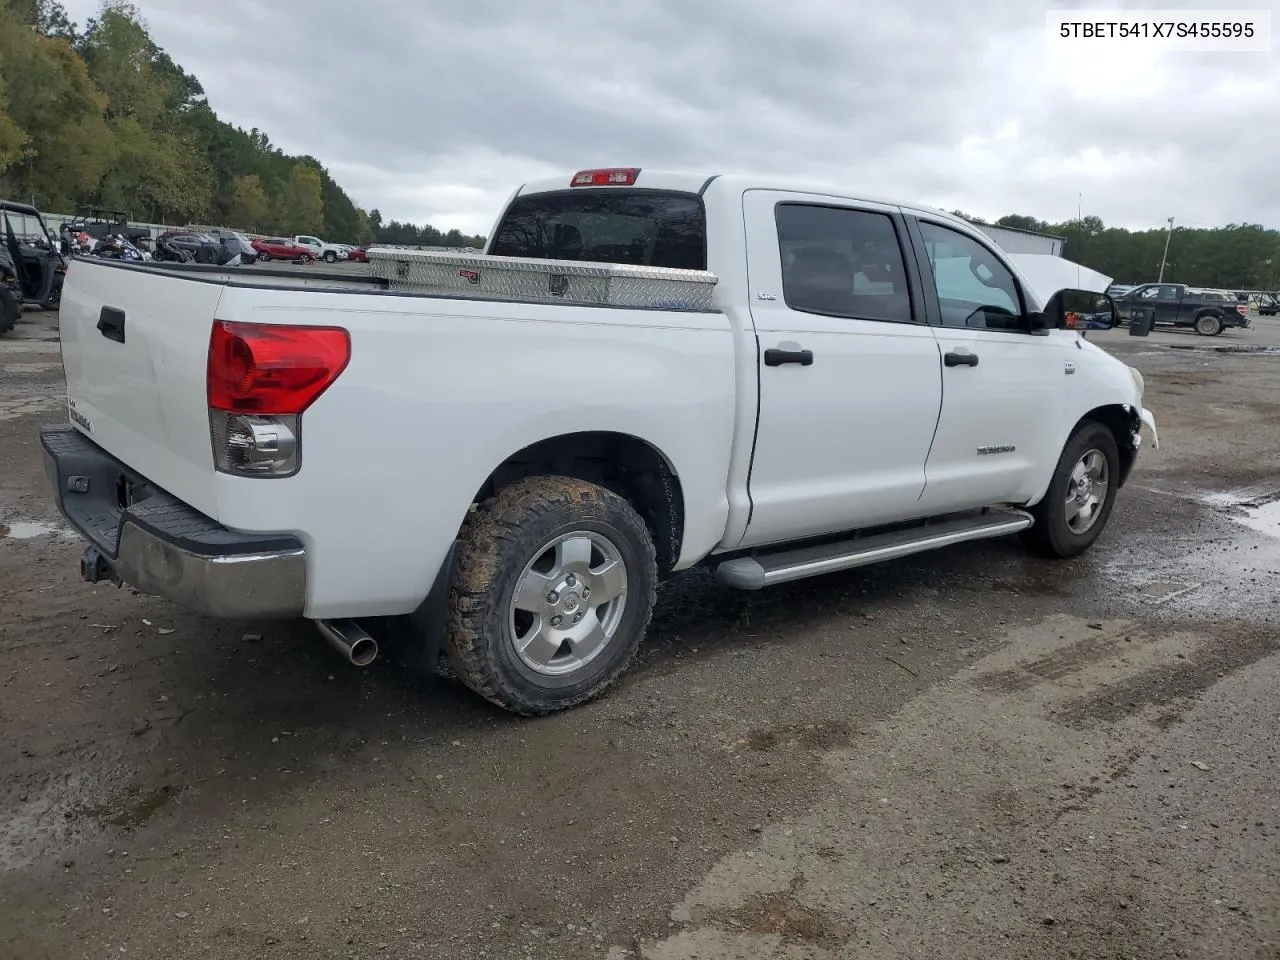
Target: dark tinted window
[[843, 263], [974, 288], [606, 226]]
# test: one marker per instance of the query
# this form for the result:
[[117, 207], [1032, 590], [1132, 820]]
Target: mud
[[969, 754]]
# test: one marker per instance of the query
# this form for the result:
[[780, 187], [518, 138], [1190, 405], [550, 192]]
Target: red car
[[278, 248], [358, 255]]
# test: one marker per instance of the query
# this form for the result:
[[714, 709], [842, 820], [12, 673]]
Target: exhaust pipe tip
[[350, 639]]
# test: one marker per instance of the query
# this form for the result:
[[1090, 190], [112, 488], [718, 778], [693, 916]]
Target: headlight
[[1138, 382]]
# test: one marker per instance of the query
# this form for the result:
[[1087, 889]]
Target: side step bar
[[753, 573]]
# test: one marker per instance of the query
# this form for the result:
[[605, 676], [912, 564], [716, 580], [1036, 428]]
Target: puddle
[[1264, 519], [29, 529], [1251, 348], [1257, 507], [1226, 569]]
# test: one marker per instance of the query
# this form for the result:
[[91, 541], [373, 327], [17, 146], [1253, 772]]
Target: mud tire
[[504, 534]]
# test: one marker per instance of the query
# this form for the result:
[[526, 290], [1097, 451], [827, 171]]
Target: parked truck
[[328, 252], [493, 459], [1176, 305]]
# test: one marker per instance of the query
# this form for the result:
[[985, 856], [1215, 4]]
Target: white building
[[1013, 240]]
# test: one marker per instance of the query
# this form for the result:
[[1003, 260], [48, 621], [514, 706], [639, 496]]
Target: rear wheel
[[10, 310], [1081, 494], [330, 256], [1208, 325], [556, 581], [264, 256]]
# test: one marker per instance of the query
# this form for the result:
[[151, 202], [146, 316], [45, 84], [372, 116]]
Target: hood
[[1046, 274]]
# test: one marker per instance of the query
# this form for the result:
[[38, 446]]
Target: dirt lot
[[971, 754]]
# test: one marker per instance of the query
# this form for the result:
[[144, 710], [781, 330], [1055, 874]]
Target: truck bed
[[438, 392]]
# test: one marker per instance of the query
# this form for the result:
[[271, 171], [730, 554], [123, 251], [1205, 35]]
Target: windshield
[[646, 227], [25, 226]]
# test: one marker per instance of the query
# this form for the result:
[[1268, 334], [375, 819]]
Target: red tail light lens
[[611, 177], [1242, 308], [273, 370]]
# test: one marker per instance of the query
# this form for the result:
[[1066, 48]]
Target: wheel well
[[1123, 423], [628, 466]]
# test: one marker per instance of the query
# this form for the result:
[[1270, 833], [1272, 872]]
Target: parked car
[[1174, 304], [497, 459], [359, 254], [278, 248], [328, 252]]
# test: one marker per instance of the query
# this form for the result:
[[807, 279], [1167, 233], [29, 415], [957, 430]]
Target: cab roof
[[699, 183]]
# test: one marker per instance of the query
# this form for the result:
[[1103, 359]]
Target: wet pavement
[[966, 754]]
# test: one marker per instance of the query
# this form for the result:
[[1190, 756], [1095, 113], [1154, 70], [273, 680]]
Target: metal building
[[1013, 240]]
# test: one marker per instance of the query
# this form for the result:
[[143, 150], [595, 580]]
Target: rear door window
[[645, 227]]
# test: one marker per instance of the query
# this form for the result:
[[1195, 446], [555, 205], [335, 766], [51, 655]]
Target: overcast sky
[[434, 110]]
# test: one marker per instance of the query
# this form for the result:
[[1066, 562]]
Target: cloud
[[435, 112]]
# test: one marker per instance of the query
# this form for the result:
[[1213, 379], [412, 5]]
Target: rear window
[[646, 227]]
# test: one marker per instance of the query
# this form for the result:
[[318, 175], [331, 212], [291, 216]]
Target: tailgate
[[135, 343]]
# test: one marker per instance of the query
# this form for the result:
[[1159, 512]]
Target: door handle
[[111, 324], [773, 357], [957, 359]]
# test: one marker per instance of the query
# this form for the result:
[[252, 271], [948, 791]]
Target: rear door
[[850, 377], [1002, 384], [135, 344]]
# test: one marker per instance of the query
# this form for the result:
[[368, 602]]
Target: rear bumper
[[146, 538]]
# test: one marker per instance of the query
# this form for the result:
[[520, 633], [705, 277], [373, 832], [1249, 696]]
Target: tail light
[[611, 177], [260, 380], [1242, 309]]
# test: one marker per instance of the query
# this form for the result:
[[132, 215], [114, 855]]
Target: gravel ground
[[969, 754]]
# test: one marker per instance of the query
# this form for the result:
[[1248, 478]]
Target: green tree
[[56, 144], [47, 17], [301, 202], [250, 206]]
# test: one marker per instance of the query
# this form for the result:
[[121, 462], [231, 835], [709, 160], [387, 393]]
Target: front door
[[850, 378], [1002, 384], [1161, 300]]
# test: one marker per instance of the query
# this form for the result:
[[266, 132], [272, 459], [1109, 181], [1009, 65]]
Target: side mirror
[[1080, 310]]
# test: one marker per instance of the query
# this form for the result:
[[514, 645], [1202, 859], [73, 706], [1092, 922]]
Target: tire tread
[[491, 537]]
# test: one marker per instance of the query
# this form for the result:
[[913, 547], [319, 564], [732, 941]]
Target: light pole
[[1165, 256]]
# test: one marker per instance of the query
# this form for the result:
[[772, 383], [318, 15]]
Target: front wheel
[[264, 257], [330, 257], [1208, 325], [556, 581], [1075, 508]]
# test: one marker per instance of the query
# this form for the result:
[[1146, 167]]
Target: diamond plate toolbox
[[544, 281]]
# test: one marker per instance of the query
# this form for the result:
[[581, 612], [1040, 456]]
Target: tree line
[[1239, 256], [104, 116]]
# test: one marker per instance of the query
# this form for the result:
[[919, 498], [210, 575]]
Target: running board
[[753, 573]]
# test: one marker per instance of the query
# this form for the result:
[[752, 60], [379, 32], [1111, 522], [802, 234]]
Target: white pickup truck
[[328, 252], [496, 458]]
